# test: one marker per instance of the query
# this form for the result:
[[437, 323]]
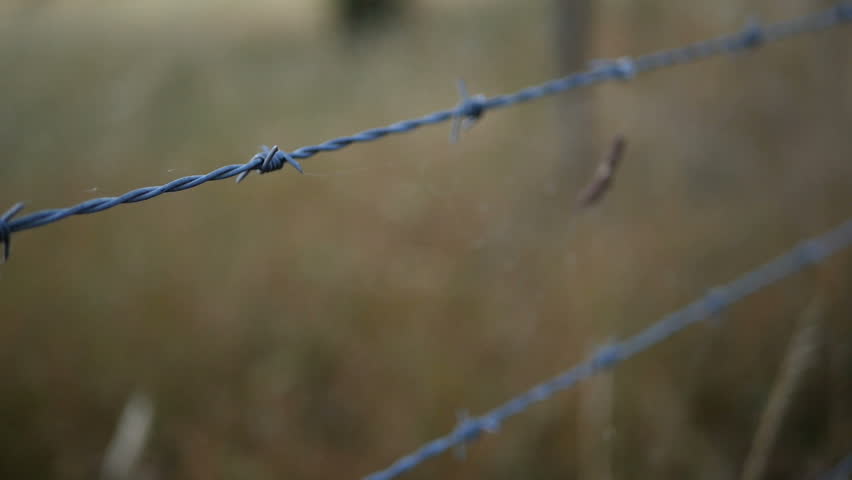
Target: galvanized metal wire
[[468, 111], [807, 253], [472, 108]]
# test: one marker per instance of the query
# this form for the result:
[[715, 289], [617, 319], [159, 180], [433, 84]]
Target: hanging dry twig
[[602, 180]]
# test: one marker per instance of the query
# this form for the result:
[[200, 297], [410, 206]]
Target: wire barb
[[469, 429], [6, 230], [271, 159], [623, 68], [843, 12], [468, 112], [607, 356], [715, 301], [752, 36], [462, 419]]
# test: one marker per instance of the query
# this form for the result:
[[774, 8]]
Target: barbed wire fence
[[717, 299], [470, 109]]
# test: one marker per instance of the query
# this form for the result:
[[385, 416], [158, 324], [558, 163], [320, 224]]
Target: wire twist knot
[[271, 159], [607, 356], [810, 252], [468, 111], [717, 300], [470, 428], [843, 12], [6, 230], [752, 36], [623, 68]]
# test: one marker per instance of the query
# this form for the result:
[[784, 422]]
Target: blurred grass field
[[319, 326]]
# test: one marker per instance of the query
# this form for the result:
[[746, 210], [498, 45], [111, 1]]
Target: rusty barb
[[602, 180]]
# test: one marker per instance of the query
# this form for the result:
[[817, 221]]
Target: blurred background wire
[[331, 319]]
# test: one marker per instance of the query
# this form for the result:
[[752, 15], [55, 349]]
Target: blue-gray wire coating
[[471, 108], [806, 254]]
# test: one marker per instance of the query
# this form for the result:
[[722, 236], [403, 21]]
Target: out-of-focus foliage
[[317, 326]]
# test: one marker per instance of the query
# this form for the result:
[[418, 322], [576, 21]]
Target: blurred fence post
[[576, 118]]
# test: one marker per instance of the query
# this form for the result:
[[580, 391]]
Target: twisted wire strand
[[470, 109], [807, 253]]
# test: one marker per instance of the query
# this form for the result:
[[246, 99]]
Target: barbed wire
[[470, 109], [717, 299]]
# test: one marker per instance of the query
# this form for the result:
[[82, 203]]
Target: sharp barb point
[[5, 230], [462, 86]]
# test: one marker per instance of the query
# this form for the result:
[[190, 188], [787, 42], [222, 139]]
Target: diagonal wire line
[[470, 108], [841, 471], [807, 253]]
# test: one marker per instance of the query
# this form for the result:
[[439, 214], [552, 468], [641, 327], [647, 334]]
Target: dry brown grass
[[319, 326]]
